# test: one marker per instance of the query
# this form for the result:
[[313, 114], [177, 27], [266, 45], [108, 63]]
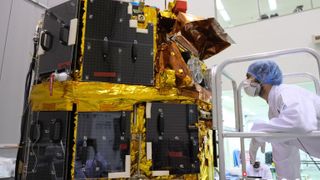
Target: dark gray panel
[[102, 142], [174, 140], [114, 62], [48, 152], [58, 55]]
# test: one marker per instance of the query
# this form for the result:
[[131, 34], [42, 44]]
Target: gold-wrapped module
[[97, 96]]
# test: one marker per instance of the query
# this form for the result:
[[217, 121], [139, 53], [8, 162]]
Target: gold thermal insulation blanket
[[203, 37], [97, 96], [169, 57]]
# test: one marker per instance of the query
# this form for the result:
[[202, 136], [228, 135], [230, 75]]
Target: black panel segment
[[58, 55], [49, 148], [103, 140], [114, 52], [174, 137]]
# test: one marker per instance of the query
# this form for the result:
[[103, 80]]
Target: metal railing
[[216, 74]]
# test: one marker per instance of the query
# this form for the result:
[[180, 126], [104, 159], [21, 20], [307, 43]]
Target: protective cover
[[103, 141], [49, 152], [171, 130]]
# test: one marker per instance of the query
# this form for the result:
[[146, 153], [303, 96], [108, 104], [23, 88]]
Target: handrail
[[235, 95], [217, 90], [264, 134], [307, 75]]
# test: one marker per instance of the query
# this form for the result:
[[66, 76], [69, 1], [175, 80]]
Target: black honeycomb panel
[[48, 159], [110, 20], [108, 149], [59, 56], [177, 149], [107, 19], [120, 62], [95, 62], [176, 121]]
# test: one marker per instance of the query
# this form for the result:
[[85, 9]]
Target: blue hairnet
[[267, 72]]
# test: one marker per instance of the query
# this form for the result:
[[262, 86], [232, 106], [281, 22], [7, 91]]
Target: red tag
[[181, 6], [123, 147], [105, 74], [51, 84], [65, 65], [175, 154]]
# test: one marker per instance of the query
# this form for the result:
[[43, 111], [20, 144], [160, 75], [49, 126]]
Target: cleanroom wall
[[18, 20]]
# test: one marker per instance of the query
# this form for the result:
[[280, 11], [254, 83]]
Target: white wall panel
[[17, 57]]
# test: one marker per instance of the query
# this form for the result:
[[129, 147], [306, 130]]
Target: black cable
[[309, 154], [26, 106]]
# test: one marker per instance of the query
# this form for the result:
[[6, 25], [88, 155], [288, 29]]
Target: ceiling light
[[219, 5], [224, 15], [222, 11], [272, 4]]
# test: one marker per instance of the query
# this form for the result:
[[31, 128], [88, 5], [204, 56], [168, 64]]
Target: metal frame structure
[[216, 74]]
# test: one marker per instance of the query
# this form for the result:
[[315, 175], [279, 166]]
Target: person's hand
[[254, 146]]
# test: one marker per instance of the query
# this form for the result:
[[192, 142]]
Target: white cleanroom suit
[[291, 110]]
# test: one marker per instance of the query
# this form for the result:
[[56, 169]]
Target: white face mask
[[251, 88]]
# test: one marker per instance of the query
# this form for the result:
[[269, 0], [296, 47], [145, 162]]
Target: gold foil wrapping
[[78, 73], [138, 144], [206, 151], [75, 120], [169, 57], [97, 96], [203, 37]]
